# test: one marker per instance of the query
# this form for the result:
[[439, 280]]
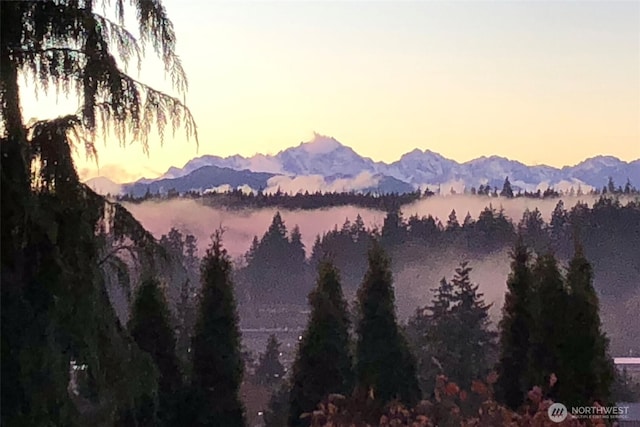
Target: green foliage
[[323, 364], [58, 237], [589, 372], [515, 330], [277, 268], [217, 361], [150, 327], [385, 368], [452, 335], [549, 307]]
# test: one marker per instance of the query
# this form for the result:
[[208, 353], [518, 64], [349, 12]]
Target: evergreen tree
[[589, 374], [270, 371], [393, 227], [217, 361], [55, 305], [385, 368], [515, 330], [475, 339], [150, 327], [452, 222], [549, 308], [429, 333], [277, 412], [323, 364], [507, 191]]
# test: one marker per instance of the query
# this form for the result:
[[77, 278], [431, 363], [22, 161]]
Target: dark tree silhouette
[[150, 327], [217, 360], [323, 364], [385, 368]]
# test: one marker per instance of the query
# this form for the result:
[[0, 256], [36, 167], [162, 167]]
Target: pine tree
[[150, 327], [217, 360], [385, 368], [270, 371], [323, 364], [589, 373], [515, 330]]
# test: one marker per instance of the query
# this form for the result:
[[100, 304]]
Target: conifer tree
[[515, 330], [549, 307], [385, 368], [507, 191], [589, 374], [150, 327], [217, 360], [270, 371], [429, 333], [277, 412], [55, 306], [451, 336], [323, 364], [475, 341]]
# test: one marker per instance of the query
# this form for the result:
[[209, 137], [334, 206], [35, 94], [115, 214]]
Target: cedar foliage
[[60, 241], [323, 364]]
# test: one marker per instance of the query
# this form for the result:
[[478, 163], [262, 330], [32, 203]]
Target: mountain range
[[324, 164]]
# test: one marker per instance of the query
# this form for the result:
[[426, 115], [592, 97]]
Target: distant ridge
[[323, 163]]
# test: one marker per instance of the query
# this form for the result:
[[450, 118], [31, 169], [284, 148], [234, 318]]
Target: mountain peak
[[320, 144]]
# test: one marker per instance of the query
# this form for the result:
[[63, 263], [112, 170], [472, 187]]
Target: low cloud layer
[[314, 183]]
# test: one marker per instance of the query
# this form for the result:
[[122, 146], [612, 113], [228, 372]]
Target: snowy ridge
[[325, 163]]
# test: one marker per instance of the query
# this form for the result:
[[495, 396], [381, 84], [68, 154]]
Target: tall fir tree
[[217, 360], [429, 334], [385, 368], [323, 364], [476, 341], [270, 371], [549, 308], [515, 329], [150, 327], [589, 373]]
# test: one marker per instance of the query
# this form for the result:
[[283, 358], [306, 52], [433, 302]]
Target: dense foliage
[[324, 362], [217, 363], [385, 368]]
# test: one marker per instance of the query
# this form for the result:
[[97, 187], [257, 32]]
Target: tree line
[[549, 337], [238, 199]]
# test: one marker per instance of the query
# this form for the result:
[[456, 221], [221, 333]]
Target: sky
[[542, 82]]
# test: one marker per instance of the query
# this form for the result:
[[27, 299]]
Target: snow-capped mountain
[[325, 164]]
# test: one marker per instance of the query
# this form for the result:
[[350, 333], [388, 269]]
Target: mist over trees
[[102, 324]]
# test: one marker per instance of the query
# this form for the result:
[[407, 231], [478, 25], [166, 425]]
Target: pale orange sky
[[549, 82]]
